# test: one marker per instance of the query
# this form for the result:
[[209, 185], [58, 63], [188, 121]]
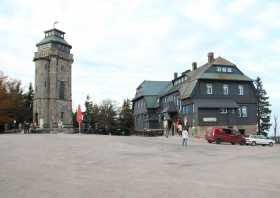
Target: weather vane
[[54, 23]]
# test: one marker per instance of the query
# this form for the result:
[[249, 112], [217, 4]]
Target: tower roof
[[54, 36]]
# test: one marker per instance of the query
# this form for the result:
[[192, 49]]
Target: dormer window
[[224, 69]]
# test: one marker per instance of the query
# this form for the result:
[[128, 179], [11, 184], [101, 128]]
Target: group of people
[[26, 127], [184, 133]]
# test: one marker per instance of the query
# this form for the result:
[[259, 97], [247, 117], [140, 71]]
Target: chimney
[[210, 57], [194, 66], [175, 75]]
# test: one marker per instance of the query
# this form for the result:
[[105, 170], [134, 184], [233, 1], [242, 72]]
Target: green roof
[[186, 88], [151, 101], [150, 91], [224, 76], [53, 39], [150, 88]]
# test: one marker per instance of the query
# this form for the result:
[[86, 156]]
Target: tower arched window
[[62, 90]]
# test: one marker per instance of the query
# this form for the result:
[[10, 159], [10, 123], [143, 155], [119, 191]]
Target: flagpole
[[79, 128]]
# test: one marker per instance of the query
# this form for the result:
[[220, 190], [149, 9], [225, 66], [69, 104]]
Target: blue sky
[[118, 44]]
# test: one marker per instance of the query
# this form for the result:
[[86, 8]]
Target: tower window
[[45, 84], [61, 115], [62, 90], [62, 67]]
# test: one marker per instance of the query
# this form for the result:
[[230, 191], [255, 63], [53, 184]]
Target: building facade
[[214, 94], [52, 106], [146, 105]]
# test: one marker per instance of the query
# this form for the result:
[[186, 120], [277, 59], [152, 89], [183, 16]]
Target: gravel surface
[[82, 166]]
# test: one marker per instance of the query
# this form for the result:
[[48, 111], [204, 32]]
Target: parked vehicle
[[219, 135], [259, 139]]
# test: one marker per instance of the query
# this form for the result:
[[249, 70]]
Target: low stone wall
[[149, 132]]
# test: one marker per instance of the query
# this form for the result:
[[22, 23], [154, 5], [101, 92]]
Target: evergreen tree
[[126, 117], [87, 114], [28, 100], [263, 108], [75, 123], [94, 116]]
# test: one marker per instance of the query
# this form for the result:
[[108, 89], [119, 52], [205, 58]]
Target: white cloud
[[269, 15], [253, 34], [118, 44], [239, 6], [205, 12]]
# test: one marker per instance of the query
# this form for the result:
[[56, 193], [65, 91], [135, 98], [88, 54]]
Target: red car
[[219, 135]]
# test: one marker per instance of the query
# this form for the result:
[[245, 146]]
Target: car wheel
[[253, 144], [218, 141], [209, 141], [233, 143], [270, 143]]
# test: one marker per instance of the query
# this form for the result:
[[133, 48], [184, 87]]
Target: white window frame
[[224, 69], [229, 69], [240, 90], [239, 112], [218, 69], [225, 89], [244, 111], [209, 88], [223, 110]]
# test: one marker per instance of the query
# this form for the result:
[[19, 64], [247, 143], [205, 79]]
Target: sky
[[119, 43]]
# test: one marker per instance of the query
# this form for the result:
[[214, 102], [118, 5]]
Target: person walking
[[185, 136], [180, 129]]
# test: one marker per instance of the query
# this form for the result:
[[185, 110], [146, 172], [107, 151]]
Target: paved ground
[[134, 167]]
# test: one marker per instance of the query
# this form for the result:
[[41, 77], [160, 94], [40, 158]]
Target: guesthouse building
[[216, 94]]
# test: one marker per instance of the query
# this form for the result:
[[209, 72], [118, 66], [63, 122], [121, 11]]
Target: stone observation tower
[[52, 107]]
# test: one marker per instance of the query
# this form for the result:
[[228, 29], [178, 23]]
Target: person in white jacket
[[185, 136]]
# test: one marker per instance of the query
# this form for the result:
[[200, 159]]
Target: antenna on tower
[[54, 23]]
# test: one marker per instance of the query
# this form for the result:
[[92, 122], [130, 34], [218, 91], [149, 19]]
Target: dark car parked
[[219, 135]]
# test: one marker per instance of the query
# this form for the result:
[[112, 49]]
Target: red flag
[[79, 115]]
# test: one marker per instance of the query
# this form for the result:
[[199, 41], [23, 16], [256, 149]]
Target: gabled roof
[[221, 61], [186, 88], [151, 102], [224, 76], [150, 88]]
